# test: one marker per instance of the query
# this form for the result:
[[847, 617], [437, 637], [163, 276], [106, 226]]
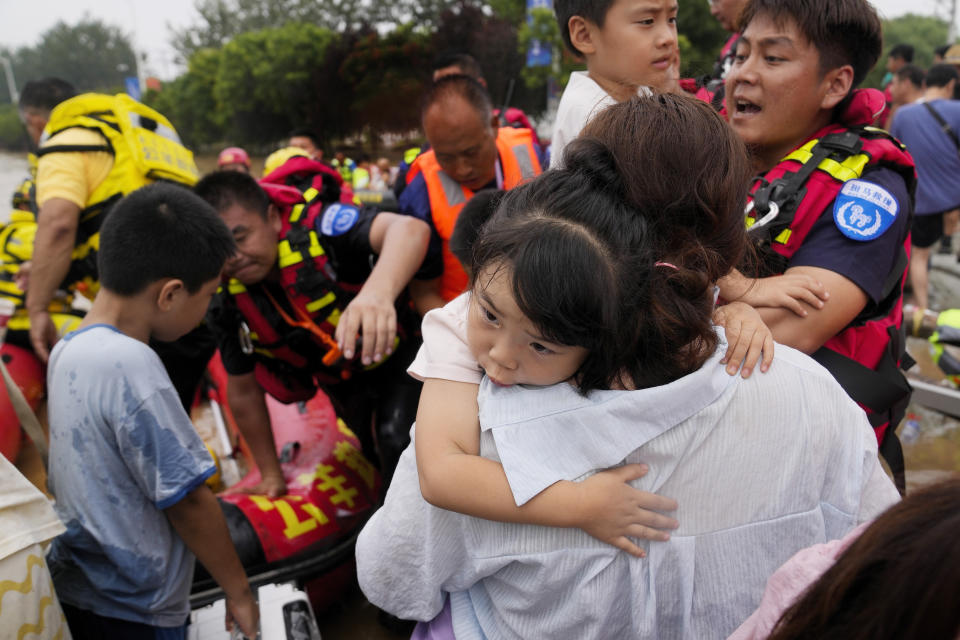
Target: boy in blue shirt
[[126, 466]]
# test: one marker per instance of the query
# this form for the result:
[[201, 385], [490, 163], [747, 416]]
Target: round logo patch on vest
[[864, 211], [338, 219]]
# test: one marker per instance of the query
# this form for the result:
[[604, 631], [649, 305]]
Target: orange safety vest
[[447, 196]]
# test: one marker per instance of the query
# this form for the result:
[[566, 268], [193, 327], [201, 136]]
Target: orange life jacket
[[519, 162]]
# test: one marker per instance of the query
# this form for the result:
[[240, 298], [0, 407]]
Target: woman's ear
[[169, 293]]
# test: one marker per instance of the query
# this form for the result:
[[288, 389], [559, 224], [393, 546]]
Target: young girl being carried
[[613, 234]]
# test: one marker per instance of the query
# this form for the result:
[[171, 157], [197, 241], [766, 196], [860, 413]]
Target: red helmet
[[233, 155]]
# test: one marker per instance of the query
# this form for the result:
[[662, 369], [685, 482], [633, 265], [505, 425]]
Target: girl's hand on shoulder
[[748, 338], [790, 291], [612, 511]]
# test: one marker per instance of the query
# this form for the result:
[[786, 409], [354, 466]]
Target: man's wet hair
[[842, 31], [223, 189], [45, 94], [305, 132], [902, 51], [467, 64], [462, 86], [158, 232], [940, 75], [593, 10], [911, 73]]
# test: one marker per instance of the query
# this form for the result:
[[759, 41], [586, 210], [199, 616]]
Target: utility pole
[[952, 29], [11, 82]]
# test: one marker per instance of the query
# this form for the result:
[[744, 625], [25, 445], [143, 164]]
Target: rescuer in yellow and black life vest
[[16, 251], [313, 271], [93, 149]]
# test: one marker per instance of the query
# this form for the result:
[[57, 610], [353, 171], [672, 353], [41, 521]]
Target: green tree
[[91, 55], [13, 136], [925, 33], [265, 80], [386, 73], [189, 102], [223, 20], [469, 28], [701, 38]]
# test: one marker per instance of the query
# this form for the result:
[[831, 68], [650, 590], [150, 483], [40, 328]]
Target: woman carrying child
[[590, 315]]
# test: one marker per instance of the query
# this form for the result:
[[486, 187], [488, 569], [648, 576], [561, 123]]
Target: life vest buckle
[[848, 142], [246, 340], [773, 210]]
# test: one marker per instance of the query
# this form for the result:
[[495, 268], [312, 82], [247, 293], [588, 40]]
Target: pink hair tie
[[666, 264]]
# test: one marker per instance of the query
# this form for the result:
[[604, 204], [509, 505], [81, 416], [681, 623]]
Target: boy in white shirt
[[630, 46]]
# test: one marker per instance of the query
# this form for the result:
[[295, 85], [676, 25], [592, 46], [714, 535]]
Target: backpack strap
[[947, 129]]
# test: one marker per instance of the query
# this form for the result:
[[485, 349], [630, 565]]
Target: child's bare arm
[[787, 291], [453, 476], [199, 522], [747, 338]]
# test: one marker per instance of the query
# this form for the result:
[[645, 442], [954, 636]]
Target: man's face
[[894, 63], [727, 12], [465, 145], [34, 120], [900, 90], [305, 143], [637, 45], [256, 240], [776, 95]]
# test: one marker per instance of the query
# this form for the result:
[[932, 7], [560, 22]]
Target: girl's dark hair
[[900, 580], [619, 251]]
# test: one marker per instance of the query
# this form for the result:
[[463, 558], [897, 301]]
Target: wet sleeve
[[866, 263], [345, 230], [161, 448]]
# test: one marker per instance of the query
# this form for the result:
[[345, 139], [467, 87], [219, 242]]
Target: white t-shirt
[[581, 100], [445, 353], [26, 516]]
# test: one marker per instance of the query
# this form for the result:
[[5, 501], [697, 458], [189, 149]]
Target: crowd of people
[[634, 383]]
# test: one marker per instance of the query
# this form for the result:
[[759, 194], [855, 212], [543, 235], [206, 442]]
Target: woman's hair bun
[[593, 160]]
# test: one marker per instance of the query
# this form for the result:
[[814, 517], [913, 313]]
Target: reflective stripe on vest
[[868, 341], [447, 196]]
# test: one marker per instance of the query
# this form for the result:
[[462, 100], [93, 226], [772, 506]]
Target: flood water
[[13, 169]]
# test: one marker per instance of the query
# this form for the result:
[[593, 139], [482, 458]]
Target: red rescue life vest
[[864, 357], [308, 280]]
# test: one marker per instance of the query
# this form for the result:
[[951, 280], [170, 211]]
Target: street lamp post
[[11, 82]]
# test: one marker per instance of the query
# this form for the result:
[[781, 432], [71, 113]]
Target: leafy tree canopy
[[91, 55], [925, 33]]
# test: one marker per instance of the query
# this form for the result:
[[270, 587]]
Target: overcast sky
[[148, 21]]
